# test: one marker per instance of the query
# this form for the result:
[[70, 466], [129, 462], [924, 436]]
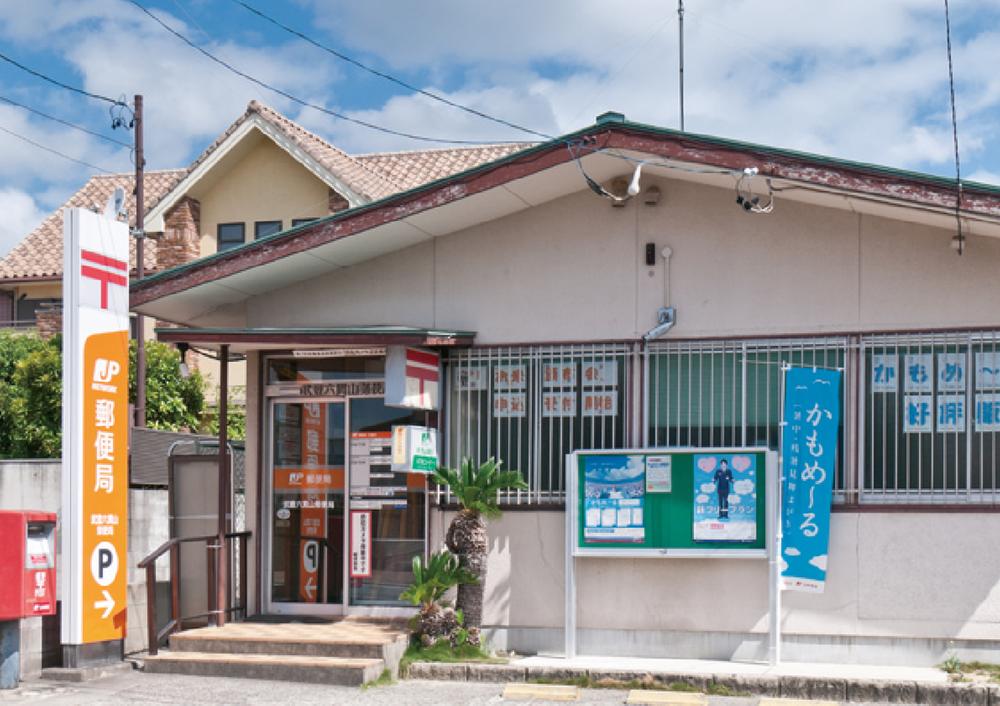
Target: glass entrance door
[[307, 507], [393, 506]]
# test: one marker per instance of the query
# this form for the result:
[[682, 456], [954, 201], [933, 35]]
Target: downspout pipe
[[666, 315]]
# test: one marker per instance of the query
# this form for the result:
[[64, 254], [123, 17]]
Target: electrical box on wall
[[27, 564]]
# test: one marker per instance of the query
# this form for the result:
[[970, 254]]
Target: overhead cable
[[56, 82], [960, 237], [65, 122], [387, 76], [300, 101], [54, 151]]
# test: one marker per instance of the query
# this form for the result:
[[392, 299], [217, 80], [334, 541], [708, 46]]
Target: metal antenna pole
[[680, 30], [140, 239]]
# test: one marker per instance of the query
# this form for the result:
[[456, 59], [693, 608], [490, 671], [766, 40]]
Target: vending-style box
[[27, 563]]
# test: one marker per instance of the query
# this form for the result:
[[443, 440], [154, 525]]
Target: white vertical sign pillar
[[95, 437]]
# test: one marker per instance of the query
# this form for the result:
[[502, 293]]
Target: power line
[[65, 122], [296, 99], [53, 151], [56, 82], [389, 77], [954, 133]]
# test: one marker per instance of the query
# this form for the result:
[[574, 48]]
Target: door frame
[[271, 607]]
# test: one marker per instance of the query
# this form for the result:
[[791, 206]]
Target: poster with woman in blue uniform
[[725, 498]]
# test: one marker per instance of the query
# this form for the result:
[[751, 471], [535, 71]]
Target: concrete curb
[[838, 689], [83, 674]]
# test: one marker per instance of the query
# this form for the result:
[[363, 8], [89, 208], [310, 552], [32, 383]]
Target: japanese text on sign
[[809, 447]]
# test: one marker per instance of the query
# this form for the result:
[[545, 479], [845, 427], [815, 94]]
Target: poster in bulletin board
[[671, 502]]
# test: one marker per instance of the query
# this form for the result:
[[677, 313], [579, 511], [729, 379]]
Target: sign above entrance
[[412, 378], [338, 352], [360, 388], [414, 449]]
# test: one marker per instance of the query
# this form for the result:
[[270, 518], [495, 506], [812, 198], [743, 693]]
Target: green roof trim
[[605, 121]]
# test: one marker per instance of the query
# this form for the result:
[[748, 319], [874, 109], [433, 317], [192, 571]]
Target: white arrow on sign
[[108, 603], [310, 587]]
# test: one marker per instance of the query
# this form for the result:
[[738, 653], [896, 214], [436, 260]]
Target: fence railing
[[176, 622]]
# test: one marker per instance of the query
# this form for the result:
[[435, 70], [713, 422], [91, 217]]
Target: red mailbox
[[27, 563]]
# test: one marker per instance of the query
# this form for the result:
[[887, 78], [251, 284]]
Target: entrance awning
[[241, 340]]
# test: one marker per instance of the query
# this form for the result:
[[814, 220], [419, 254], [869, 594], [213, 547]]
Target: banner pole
[[774, 561], [569, 625]]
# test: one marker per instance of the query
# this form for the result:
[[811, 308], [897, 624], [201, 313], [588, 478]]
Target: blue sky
[[855, 79]]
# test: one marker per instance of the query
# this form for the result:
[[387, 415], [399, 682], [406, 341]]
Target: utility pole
[[680, 30], [140, 239]]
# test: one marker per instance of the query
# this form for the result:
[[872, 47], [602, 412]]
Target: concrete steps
[[347, 652], [344, 671]]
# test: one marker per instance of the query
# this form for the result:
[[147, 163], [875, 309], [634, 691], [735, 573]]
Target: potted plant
[[430, 582]]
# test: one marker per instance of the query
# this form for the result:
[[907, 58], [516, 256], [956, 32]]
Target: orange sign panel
[[105, 485]]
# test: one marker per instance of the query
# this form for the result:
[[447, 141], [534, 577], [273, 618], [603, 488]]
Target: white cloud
[[743, 487], [792, 551], [985, 176], [858, 79], [20, 216], [819, 561]]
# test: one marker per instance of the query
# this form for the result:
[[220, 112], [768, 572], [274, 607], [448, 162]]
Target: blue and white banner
[[809, 454]]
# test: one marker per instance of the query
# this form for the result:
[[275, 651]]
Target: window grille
[[920, 420], [728, 393], [931, 417], [530, 406]]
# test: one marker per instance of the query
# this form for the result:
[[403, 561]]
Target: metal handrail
[[176, 620]]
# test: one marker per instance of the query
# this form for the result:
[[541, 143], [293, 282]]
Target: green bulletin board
[[668, 517]]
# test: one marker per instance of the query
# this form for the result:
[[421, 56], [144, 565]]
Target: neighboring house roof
[[360, 179], [411, 169], [367, 178], [40, 255]]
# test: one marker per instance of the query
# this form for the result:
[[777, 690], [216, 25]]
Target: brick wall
[[48, 321], [336, 202], [181, 239]]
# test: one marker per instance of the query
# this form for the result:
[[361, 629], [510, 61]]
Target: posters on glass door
[[725, 498], [614, 491]]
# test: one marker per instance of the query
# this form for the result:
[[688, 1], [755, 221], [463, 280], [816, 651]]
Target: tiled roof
[[40, 255], [356, 176], [411, 169], [371, 176]]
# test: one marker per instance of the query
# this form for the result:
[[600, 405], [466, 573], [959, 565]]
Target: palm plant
[[475, 488], [430, 582]]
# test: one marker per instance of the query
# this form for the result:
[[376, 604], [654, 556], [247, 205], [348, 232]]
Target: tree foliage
[[173, 402], [31, 393], [476, 487], [30, 396]]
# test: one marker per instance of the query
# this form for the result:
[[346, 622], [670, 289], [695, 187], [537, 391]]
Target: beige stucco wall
[[572, 269], [891, 575], [266, 184]]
